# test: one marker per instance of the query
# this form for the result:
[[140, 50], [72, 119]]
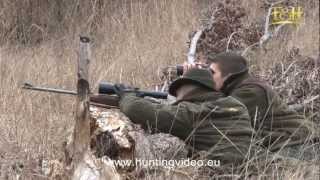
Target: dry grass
[[128, 46], [131, 40]]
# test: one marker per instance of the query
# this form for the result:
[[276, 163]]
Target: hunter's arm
[[174, 119]]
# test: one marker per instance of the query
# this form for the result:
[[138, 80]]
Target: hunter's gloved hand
[[121, 89]]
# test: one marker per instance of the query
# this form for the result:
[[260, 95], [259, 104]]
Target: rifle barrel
[[45, 89], [106, 89]]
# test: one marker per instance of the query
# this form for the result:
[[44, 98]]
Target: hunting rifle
[[106, 96]]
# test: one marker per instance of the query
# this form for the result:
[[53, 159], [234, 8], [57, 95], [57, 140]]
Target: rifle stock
[[104, 99]]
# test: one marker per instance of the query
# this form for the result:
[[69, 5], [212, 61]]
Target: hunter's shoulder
[[251, 88], [228, 105], [253, 84], [229, 101]]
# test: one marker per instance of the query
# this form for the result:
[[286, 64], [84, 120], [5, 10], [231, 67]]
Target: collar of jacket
[[209, 96], [234, 80]]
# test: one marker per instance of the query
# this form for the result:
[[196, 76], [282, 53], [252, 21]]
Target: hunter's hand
[[120, 89], [187, 66]]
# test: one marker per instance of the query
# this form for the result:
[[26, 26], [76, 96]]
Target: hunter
[[205, 119], [276, 125]]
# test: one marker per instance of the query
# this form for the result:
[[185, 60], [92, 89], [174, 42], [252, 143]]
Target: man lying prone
[[204, 118]]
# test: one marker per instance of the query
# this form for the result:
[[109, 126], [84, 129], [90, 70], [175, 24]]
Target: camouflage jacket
[[208, 122], [271, 118]]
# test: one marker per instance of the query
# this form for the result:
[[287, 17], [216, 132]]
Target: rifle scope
[[108, 88]]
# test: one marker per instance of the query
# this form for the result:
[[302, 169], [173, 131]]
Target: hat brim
[[175, 85]]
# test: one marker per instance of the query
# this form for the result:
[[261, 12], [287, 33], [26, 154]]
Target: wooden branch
[[266, 35], [229, 40], [193, 47], [299, 107], [81, 136], [248, 48]]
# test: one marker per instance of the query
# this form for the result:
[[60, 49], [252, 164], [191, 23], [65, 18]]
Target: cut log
[[115, 137], [130, 139], [93, 168]]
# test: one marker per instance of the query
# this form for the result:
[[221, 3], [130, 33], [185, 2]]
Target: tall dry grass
[[131, 40]]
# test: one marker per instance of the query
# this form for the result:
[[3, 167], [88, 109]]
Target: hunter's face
[[217, 76]]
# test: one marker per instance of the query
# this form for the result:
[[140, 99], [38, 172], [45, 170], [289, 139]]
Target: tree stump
[[115, 137]]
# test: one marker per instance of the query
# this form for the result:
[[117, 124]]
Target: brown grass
[[131, 40]]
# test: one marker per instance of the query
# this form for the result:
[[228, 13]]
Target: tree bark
[[81, 136]]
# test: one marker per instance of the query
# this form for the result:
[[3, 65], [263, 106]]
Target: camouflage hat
[[196, 76]]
